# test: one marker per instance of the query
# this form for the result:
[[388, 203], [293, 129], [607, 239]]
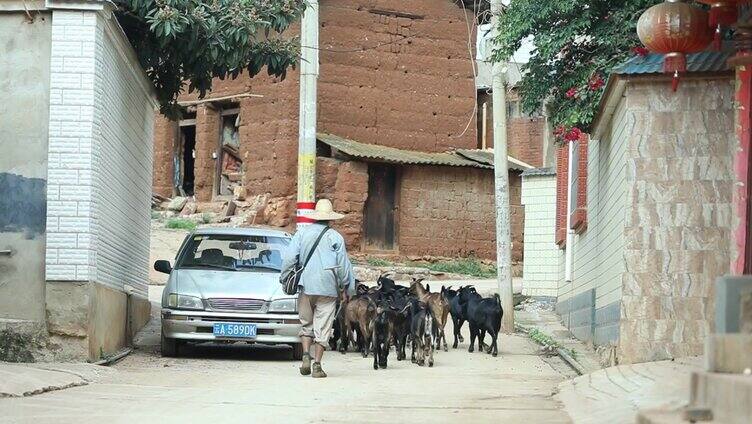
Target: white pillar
[[309, 72], [501, 170]]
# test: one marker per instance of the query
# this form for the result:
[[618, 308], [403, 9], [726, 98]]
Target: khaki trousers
[[317, 317]]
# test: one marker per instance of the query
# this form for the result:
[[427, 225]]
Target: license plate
[[229, 329]]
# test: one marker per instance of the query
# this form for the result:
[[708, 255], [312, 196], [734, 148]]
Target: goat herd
[[390, 314]]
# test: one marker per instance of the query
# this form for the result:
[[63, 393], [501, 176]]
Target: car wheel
[[169, 347], [297, 351]]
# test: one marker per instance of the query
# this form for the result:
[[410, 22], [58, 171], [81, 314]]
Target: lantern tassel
[[717, 38], [675, 64], [675, 82]]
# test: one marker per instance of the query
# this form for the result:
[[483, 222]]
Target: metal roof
[[376, 153], [539, 172], [706, 61], [487, 157]]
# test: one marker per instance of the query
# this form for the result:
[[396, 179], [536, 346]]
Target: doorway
[[379, 223], [187, 156]]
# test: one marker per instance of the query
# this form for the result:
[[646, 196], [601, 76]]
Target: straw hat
[[324, 211]]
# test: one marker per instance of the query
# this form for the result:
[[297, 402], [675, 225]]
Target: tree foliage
[[577, 43], [181, 42]]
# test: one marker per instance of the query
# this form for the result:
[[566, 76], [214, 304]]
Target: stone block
[[733, 309], [177, 204], [728, 353]]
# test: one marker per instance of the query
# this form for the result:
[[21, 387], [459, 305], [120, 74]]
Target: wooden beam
[[218, 99]]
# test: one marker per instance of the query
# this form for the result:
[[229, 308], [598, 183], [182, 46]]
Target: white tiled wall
[[100, 158], [541, 265]]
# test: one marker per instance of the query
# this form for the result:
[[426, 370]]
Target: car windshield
[[233, 252]]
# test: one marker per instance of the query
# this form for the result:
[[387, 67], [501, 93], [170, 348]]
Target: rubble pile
[[237, 210]]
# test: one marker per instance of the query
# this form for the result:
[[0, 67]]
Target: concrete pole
[[501, 170], [309, 72]]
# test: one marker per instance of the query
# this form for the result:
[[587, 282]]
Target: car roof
[[244, 231]]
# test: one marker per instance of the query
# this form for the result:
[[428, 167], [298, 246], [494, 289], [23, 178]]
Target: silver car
[[225, 288]]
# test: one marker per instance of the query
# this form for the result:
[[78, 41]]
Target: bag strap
[[313, 249]]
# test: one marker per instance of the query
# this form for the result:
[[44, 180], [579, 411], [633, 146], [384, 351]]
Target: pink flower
[[572, 93], [560, 131], [573, 135], [596, 82]]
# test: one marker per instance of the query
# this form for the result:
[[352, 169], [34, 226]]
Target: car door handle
[[7, 252]]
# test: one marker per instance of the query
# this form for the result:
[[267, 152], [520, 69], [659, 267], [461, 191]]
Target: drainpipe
[[569, 252], [484, 136], [309, 72], [501, 175]]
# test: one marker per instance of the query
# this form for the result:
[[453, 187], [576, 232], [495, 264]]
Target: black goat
[[483, 315], [383, 328], [423, 331], [455, 310]]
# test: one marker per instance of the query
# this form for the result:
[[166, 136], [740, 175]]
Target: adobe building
[[396, 79], [74, 183]]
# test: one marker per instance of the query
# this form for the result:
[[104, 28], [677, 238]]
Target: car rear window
[[233, 252]]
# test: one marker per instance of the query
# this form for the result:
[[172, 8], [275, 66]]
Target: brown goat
[[438, 305], [359, 312]]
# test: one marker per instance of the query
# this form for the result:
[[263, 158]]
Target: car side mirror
[[163, 266]]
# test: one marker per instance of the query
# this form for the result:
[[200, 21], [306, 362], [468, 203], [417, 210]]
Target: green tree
[[181, 42], [577, 43]]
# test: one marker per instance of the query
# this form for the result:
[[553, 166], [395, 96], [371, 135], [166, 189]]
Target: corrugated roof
[[376, 153], [706, 61], [487, 157], [539, 172]]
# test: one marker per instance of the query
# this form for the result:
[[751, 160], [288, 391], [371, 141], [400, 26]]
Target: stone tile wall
[[678, 229]]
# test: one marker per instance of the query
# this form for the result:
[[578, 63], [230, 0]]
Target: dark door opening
[[187, 148], [380, 207]]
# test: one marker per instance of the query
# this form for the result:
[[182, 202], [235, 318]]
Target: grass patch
[[548, 342], [156, 215], [472, 267], [207, 217], [180, 224], [378, 262]]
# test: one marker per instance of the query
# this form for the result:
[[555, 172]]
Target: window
[[233, 252]]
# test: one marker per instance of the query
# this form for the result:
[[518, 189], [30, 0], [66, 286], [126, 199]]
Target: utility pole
[[309, 73], [501, 171]]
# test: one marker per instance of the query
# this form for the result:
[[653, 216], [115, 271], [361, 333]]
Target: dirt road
[[242, 383]]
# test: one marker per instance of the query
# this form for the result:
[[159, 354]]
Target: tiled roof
[[706, 61], [539, 172], [376, 153]]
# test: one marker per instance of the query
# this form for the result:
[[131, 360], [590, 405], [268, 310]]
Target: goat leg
[[429, 352], [459, 329], [375, 348], [473, 334]]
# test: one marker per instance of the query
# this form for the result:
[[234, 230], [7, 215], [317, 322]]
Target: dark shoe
[[317, 371], [305, 368]]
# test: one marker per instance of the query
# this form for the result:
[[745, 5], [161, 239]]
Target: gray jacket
[[318, 279]]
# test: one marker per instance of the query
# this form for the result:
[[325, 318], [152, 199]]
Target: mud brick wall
[[387, 80], [679, 216], [207, 136], [447, 211], [346, 185], [525, 136], [165, 132]]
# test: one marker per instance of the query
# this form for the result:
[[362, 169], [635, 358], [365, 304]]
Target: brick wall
[[540, 270], [101, 119], [165, 134], [562, 171], [447, 211], [525, 135], [346, 185], [417, 93]]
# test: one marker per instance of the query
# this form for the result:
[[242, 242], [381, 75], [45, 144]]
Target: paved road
[[260, 384]]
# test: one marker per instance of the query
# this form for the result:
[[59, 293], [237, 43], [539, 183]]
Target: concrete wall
[[123, 128], [679, 155], [24, 113], [540, 270], [100, 170]]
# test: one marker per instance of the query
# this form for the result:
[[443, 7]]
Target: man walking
[[327, 272]]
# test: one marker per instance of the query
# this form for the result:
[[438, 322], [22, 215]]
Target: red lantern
[[675, 29], [723, 14]]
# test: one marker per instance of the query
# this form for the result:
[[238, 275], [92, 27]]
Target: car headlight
[[284, 306], [184, 302]]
